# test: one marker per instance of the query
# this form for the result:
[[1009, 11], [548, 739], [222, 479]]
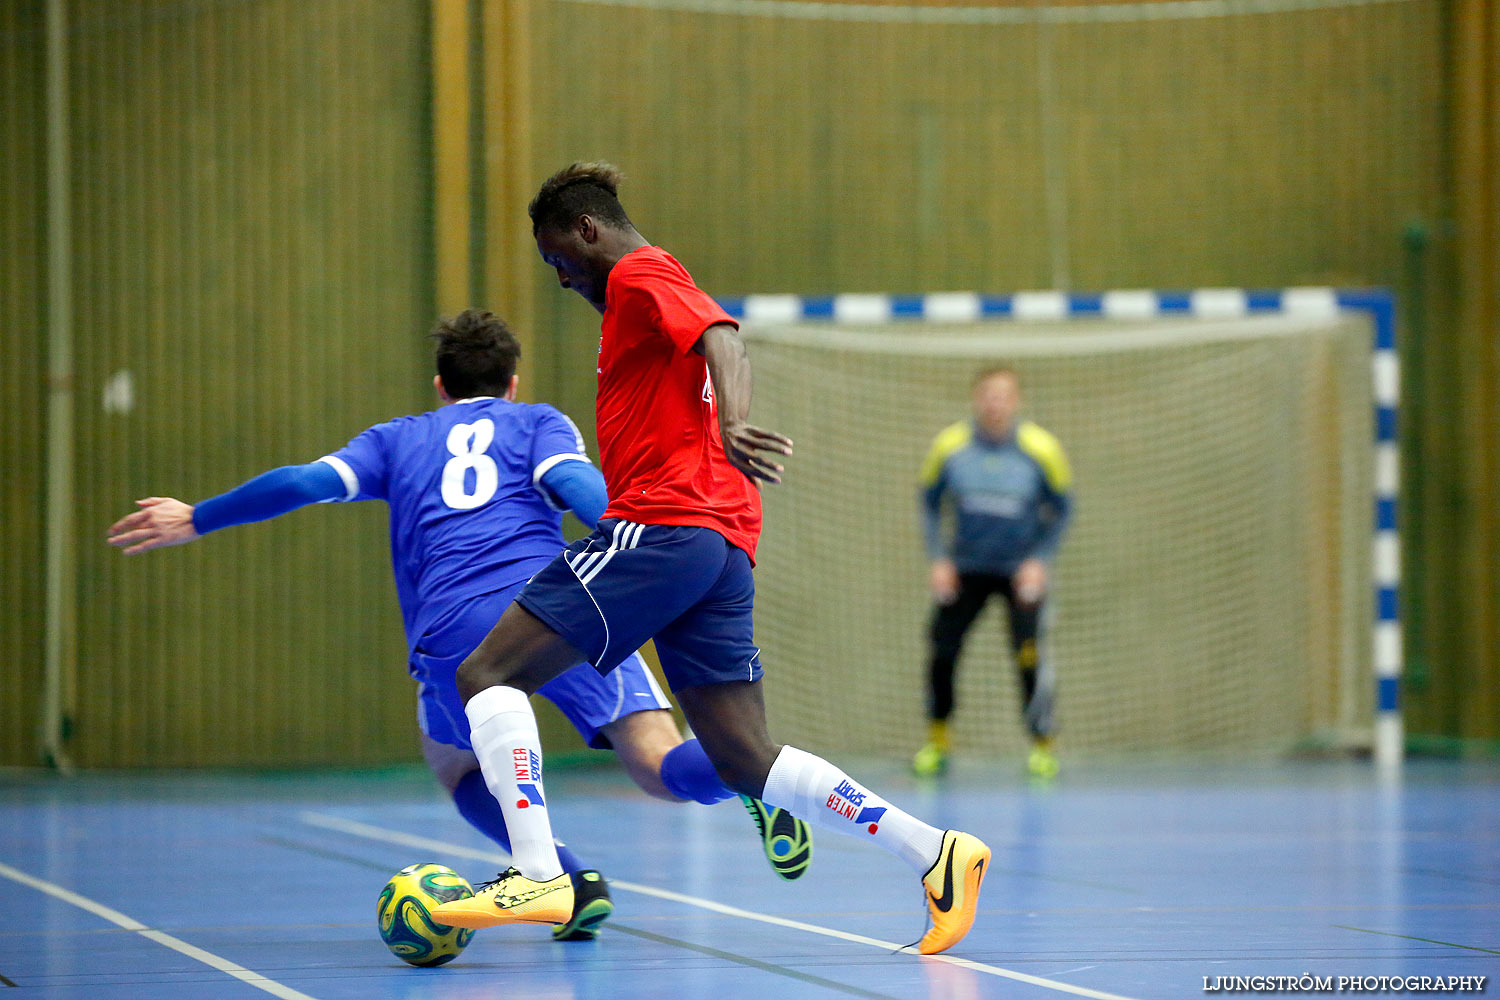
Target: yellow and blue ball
[[405, 914]]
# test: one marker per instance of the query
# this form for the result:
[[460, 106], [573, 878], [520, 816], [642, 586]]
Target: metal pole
[[1389, 655], [61, 606]]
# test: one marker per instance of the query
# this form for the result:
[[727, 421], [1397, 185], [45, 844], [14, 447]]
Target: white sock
[[814, 790], [503, 731]]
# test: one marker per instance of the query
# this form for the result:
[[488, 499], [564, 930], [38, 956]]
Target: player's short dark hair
[[590, 189], [476, 354], [994, 371]]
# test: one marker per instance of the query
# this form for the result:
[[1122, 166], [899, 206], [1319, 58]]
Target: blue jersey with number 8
[[468, 514]]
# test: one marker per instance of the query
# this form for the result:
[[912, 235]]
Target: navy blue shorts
[[590, 701], [687, 588]]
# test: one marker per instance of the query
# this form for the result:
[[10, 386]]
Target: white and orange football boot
[[952, 885]]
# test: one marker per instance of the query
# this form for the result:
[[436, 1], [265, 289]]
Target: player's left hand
[[1030, 582], [744, 444], [160, 522]]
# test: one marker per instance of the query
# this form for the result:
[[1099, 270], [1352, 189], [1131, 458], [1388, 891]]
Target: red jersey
[[659, 444]]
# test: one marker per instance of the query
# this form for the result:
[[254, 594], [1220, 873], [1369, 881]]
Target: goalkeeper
[[1009, 484]]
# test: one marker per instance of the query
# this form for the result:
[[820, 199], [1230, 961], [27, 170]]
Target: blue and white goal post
[[1209, 304]]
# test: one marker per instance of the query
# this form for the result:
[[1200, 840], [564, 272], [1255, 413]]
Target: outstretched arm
[[164, 521], [729, 370]]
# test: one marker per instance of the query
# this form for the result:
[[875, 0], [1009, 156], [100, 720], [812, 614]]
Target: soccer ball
[[405, 914]]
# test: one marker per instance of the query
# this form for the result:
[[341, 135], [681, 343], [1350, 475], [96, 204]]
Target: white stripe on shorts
[[581, 562], [661, 698], [619, 693], [598, 559], [631, 535]]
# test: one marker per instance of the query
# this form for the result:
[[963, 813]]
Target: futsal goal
[[1214, 589]]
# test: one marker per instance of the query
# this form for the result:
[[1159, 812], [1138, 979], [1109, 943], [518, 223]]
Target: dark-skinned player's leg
[[521, 651], [734, 716], [701, 653], [598, 601], [730, 721], [520, 654]]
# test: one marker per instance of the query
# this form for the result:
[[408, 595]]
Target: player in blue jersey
[[1010, 486], [476, 489]]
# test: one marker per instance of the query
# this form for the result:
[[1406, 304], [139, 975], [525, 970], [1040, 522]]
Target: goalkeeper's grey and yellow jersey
[[1011, 497]]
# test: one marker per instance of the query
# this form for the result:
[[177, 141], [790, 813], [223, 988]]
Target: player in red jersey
[[670, 560]]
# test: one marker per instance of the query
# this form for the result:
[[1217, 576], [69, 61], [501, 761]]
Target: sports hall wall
[[271, 199], [251, 244]]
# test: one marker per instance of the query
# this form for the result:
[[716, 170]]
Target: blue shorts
[[687, 588], [589, 700]]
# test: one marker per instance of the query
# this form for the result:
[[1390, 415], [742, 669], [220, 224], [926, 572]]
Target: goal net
[[1212, 592]]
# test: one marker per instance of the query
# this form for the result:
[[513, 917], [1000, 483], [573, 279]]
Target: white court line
[[160, 937], [426, 843]]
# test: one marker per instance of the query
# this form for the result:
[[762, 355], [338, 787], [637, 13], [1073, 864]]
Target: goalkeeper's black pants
[[950, 625]]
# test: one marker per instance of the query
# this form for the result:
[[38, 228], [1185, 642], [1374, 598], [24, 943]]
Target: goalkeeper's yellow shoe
[[1042, 762], [930, 761], [511, 899], [952, 885]]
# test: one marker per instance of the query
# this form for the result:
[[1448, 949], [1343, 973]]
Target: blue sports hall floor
[[1121, 879]]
